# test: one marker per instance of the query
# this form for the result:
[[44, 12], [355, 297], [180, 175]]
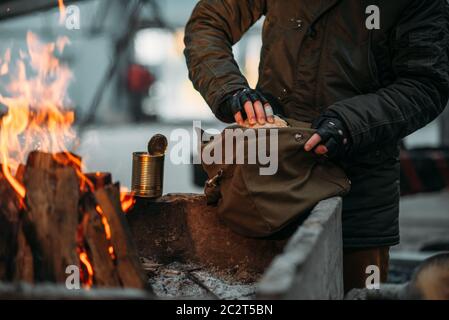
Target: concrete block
[[311, 266]]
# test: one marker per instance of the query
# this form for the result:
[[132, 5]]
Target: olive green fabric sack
[[256, 205]]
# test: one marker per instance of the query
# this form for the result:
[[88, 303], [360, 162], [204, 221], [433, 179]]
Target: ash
[[189, 281]]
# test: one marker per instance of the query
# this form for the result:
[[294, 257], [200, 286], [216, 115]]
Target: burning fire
[[127, 199], [36, 119], [90, 271], [107, 230]]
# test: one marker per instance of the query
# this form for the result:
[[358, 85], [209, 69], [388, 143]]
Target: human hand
[[331, 138], [249, 104], [277, 123]]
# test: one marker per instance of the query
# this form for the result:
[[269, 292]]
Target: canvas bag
[[256, 205]]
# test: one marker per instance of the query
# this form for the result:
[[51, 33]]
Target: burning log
[[49, 216], [128, 265], [99, 179], [66, 218], [100, 248], [9, 217], [51, 219], [24, 265]]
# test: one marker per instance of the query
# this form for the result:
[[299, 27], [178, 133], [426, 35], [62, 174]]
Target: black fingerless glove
[[334, 134], [236, 102]]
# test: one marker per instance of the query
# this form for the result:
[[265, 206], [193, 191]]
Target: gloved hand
[[248, 104], [332, 137]]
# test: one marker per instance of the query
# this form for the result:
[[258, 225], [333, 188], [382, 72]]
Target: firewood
[[51, 219], [20, 174], [105, 273], [49, 161], [99, 179], [9, 218], [63, 215], [24, 266], [128, 265]]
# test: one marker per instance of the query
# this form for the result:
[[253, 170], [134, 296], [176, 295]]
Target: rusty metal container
[[147, 175]]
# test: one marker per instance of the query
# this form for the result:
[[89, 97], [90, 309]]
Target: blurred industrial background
[[131, 82]]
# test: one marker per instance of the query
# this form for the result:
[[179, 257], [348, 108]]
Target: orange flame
[[36, 119], [62, 11], [127, 200], [17, 186], [90, 270], [107, 230], [70, 160], [104, 221], [83, 256]]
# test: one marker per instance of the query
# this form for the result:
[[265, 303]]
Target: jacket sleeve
[[214, 27], [420, 91]]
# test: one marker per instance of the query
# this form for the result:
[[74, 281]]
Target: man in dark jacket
[[363, 89]]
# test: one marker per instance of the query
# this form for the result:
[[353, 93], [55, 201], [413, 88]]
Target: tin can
[[147, 175]]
